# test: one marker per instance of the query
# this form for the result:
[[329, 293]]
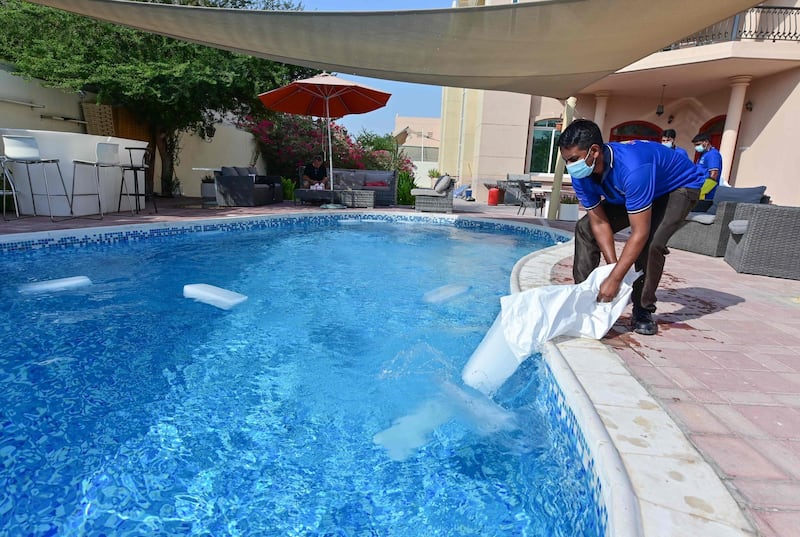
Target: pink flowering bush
[[288, 141]]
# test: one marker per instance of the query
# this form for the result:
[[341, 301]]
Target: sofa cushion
[[243, 171], [738, 227], [228, 170], [427, 192], [701, 218], [442, 184], [739, 195]]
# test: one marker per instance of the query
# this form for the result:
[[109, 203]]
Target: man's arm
[[601, 230], [640, 231]]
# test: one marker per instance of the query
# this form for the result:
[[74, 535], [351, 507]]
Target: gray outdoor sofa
[[382, 182], [243, 187], [765, 240], [707, 232]]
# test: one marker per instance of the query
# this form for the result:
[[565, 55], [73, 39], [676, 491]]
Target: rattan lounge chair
[[438, 199], [764, 240]]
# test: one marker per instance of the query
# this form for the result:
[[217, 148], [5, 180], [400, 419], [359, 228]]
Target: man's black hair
[[669, 133], [581, 132], [702, 137]]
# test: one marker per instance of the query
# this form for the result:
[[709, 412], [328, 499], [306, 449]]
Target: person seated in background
[[711, 162], [668, 140], [315, 176]]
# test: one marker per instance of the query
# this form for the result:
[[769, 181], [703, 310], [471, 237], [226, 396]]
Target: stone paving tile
[[778, 524], [697, 417], [728, 453]]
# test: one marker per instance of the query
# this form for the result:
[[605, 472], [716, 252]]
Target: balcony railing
[[758, 23]]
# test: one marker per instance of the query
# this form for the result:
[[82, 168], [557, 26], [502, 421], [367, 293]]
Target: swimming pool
[[127, 408]]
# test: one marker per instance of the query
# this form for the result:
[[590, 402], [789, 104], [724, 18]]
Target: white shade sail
[[550, 47]]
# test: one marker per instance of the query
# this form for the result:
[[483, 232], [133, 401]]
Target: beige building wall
[[229, 147]]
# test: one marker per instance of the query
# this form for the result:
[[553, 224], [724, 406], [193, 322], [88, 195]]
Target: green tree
[[173, 86]]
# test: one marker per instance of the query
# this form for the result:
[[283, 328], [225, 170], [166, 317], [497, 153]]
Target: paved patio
[[725, 364]]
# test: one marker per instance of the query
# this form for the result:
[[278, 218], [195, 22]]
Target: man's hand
[[609, 289]]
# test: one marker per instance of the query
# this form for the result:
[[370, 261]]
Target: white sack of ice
[[533, 317], [61, 284], [215, 296], [444, 293]]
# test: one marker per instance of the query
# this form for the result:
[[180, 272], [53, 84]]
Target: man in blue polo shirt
[[711, 162], [641, 185]]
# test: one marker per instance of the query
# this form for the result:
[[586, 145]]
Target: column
[[601, 103], [734, 116], [555, 197]]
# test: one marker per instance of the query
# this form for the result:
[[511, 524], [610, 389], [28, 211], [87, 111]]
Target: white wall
[[55, 102]]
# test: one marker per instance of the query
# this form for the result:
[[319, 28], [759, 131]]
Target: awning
[[549, 47]]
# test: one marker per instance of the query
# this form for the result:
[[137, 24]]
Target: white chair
[[8, 187], [107, 156], [25, 150]]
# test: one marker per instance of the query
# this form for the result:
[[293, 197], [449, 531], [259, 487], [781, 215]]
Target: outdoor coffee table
[[356, 199], [308, 195]]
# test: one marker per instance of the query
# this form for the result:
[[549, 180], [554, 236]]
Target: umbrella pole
[[330, 144]]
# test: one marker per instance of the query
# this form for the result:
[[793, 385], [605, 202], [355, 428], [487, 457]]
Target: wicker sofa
[[382, 182], [707, 232], [243, 187], [764, 239]]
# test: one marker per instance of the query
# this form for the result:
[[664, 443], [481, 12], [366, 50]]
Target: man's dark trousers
[[668, 212]]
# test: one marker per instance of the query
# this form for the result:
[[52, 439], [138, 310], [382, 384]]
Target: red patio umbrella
[[327, 96]]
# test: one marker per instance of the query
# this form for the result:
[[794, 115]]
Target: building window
[[635, 130], [544, 145]]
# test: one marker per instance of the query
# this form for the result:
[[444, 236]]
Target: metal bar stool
[[8, 187], [140, 163], [106, 156], [25, 150]]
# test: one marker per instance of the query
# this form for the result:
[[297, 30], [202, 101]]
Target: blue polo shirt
[[711, 160], [680, 151], [636, 173]]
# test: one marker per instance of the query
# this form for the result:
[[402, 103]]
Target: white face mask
[[699, 148], [667, 144]]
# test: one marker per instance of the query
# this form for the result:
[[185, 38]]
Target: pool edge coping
[[640, 500]]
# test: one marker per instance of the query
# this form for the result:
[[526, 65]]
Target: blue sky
[[407, 99]]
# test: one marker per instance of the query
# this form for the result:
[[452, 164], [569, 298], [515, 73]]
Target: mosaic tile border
[[558, 407], [556, 402], [77, 238]]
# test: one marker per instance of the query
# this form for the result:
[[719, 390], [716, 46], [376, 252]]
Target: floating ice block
[[444, 293], [61, 284], [216, 296]]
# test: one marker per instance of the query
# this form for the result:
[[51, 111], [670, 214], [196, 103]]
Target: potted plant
[[569, 208]]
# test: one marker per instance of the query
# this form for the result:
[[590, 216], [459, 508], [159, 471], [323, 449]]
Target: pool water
[[127, 409]]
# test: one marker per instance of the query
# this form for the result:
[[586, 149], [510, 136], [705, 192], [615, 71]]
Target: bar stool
[[106, 156], [140, 163], [8, 187], [25, 150]]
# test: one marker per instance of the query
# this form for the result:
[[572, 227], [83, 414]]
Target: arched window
[[713, 127], [544, 145], [635, 130]]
